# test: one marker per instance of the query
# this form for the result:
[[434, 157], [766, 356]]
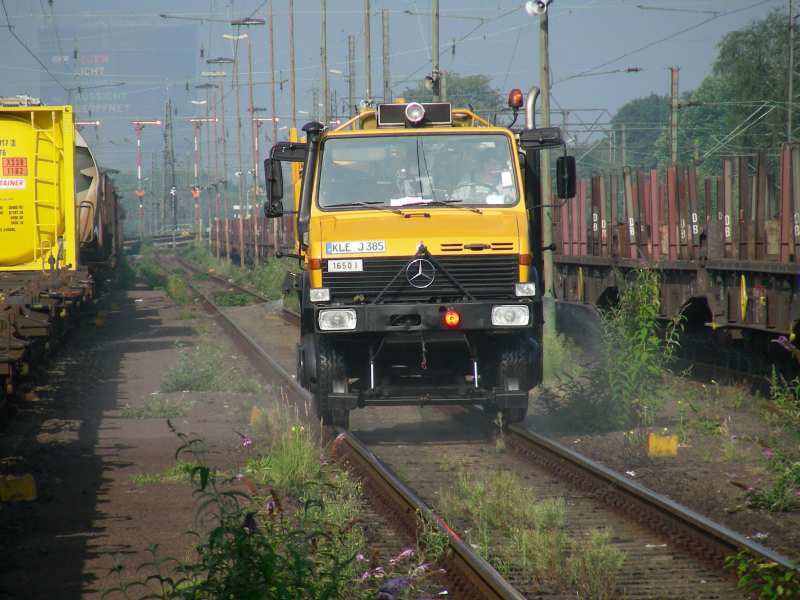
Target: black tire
[[331, 377], [514, 373], [300, 375]]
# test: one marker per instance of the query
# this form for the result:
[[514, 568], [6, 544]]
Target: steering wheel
[[489, 188]]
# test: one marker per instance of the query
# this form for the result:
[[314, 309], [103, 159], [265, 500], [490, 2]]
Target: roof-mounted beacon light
[[415, 113], [515, 99]]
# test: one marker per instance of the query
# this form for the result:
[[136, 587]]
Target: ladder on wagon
[[48, 161]]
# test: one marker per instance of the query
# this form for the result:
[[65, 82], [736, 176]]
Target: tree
[[644, 119], [463, 91]]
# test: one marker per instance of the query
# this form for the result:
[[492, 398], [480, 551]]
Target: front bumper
[[497, 398], [387, 318]]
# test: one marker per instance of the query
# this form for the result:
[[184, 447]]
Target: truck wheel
[[331, 377], [514, 374], [300, 374]]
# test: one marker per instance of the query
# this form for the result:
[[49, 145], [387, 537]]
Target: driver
[[483, 180]]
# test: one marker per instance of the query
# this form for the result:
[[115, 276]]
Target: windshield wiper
[[453, 203], [372, 205]]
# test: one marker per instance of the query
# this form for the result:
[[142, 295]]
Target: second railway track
[[671, 552]]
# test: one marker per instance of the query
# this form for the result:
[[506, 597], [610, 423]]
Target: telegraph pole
[[367, 54], [435, 51], [549, 304], [254, 136], [272, 78], [292, 86], [241, 183], [387, 92], [324, 56], [673, 125], [351, 73], [624, 135], [790, 99]]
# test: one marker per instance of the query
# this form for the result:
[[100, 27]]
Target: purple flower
[[422, 568], [404, 554], [247, 441], [768, 454], [270, 506], [360, 557], [783, 342]]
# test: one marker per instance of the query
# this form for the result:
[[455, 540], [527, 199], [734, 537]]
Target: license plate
[[356, 247], [345, 266]]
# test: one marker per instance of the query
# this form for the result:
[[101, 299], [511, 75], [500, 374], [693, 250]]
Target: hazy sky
[[493, 37]]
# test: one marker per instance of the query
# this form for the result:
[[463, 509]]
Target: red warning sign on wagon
[[12, 184], [15, 167]]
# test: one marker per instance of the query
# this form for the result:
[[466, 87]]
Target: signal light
[[451, 318], [515, 98]]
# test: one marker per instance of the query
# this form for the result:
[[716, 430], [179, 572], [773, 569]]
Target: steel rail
[[471, 576], [698, 534]]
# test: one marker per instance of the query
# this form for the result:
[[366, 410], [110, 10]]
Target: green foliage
[[784, 398], [231, 298], [462, 91], [125, 275], [202, 369], [643, 118], [625, 387], [783, 493], [560, 359], [593, 568], [148, 270], [180, 471], [765, 580], [432, 541], [262, 544], [515, 533], [293, 461], [156, 407], [178, 290]]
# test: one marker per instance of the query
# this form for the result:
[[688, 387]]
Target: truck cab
[[418, 229]]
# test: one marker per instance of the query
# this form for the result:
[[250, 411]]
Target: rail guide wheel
[[331, 378], [514, 373]]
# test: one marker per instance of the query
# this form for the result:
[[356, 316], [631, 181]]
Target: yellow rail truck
[[419, 230]]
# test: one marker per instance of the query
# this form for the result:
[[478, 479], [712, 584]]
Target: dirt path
[[79, 441]]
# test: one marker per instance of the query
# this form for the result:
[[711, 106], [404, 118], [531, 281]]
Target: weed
[[769, 580], [293, 460], [180, 471], [731, 451], [559, 359], [202, 369], [230, 298], [784, 398], [178, 290], [783, 493], [156, 407], [594, 567], [148, 270], [432, 541], [624, 389], [125, 275]]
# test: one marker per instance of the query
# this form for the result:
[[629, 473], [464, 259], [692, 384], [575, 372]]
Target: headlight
[[337, 319], [525, 290], [319, 295], [510, 316]]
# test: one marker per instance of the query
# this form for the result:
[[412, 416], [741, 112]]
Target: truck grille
[[485, 277]]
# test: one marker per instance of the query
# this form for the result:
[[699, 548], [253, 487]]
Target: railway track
[[672, 552]]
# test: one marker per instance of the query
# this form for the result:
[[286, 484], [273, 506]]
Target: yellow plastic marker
[[255, 417], [17, 488], [662, 445]]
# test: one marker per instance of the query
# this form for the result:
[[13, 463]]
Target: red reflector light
[[314, 264], [451, 318], [515, 98], [525, 259]]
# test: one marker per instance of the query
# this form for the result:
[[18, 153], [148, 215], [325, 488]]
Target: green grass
[[156, 407], [178, 290], [180, 471], [230, 298], [514, 532], [202, 368]]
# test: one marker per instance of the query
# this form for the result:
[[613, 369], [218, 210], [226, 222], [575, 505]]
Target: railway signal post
[[139, 126]]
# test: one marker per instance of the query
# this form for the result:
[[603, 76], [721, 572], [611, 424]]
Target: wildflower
[[768, 454], [270, 506], [404, 554], [247, 441], [239, 476], [420, 569], [783, 342], [360, 557]]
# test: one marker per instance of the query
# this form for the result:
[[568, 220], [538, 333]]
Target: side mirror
[[566, 177], [274, 178]]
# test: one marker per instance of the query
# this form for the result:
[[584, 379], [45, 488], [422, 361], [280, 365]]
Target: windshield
[[414, 170]]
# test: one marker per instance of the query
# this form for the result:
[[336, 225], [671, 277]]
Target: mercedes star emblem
[[420, 273]]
